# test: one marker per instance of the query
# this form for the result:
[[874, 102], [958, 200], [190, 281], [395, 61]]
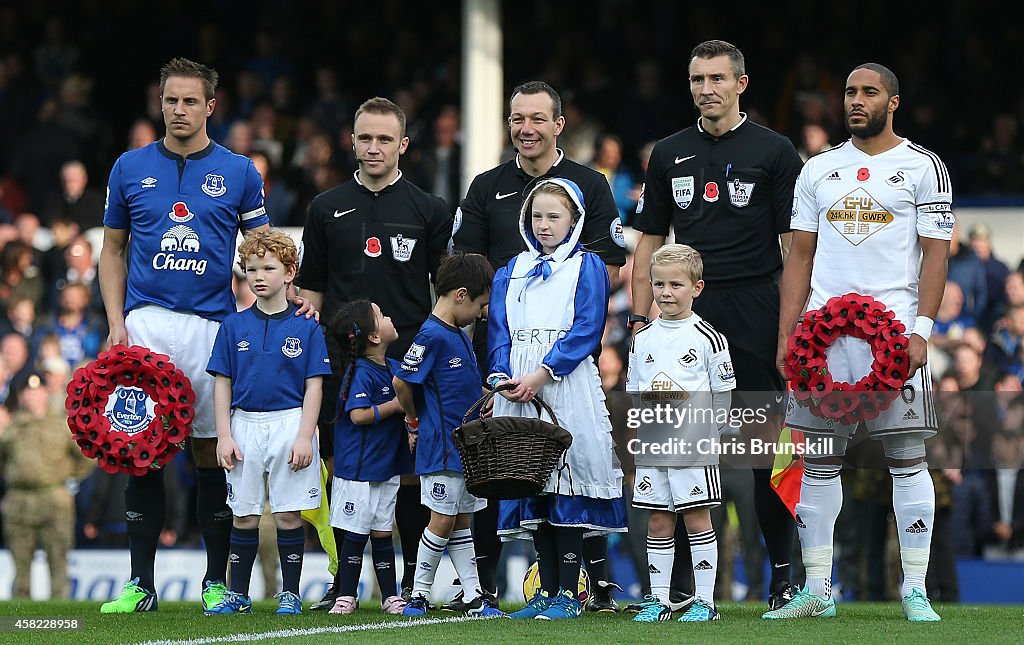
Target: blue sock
[[244, 544], [291, 544], [350, 562], [383, 549]]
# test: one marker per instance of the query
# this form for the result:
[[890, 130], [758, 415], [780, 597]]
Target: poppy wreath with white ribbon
[[130, 409], [807, 364]]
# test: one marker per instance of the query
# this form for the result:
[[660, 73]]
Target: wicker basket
[[509, 457]]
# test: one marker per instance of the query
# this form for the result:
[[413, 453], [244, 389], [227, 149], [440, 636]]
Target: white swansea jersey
[[679, 355], [869, 212], [677, 364]]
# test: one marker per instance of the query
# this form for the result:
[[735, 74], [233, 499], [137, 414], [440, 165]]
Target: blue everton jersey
[[183, 216], [442, 362], [269, 358], [374, 452]]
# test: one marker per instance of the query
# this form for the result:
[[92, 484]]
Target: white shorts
[[361, 507], [188, 340], [849, 360], [445, 493], [664, 488], [265, 440]]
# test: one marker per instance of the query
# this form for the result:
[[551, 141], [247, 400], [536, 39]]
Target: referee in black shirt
[[725, 186], [487, 222], [379, 237]]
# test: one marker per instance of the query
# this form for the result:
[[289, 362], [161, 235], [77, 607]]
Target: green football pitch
[[741, 623]]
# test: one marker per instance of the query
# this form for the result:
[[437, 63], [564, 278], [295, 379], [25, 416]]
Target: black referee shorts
[[748, 317]]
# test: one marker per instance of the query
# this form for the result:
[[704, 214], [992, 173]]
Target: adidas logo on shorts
[[696, 491], [649, 359], [703, 565], [800, 522], [917, 527], [910, 416]]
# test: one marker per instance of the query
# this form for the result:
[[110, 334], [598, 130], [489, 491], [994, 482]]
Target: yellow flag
[[320, 518]]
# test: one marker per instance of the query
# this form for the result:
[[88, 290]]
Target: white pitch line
[[334, 629]]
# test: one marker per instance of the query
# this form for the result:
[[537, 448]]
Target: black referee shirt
[[376, 245], [487, 220], [729, 197]]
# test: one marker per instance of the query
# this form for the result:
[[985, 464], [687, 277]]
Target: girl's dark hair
[[348, 330]]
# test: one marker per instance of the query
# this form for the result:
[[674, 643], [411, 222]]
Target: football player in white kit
[[872, 216]]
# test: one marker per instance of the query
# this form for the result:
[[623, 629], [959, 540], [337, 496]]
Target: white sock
[[660, 554], [463, 554], [913, 500], [821, 499], [704, 551], [427, 558]]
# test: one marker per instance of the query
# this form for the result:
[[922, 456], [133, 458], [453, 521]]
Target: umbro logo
[[570, 557], [917, 527], [653, 569], [243, 346], [222, 515], [341, 213], [355, 559], [649, 359], [149, 182], [703, 565], [834, 177], [294, 557], [910, 416], [500, 196], [234, 559], [426, 566], [800, 522], [696, 491], [132, 516], [682, 159]]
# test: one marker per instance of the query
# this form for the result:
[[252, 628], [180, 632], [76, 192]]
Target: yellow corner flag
[[320, 518], [788, 469]]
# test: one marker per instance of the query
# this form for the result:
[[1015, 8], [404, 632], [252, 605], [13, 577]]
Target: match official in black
[[379, 237], [487, 222], [725, 186]]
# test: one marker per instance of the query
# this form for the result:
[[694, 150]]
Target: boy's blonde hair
[[273, 241], [685, 257]]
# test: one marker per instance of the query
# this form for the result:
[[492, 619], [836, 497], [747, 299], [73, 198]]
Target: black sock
[[777, 527], [547, 558], [383, 549], [214, 518], [339, 540], [595, 556], [145, 508], [350, 562], [411, 518], [570, 546], [682, 565], [291, 544], [488, 547], [244, 545]]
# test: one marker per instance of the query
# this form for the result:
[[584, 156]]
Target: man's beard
[[875, 126]]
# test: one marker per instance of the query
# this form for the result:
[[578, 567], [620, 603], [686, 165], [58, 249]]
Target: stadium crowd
[[287, 104]]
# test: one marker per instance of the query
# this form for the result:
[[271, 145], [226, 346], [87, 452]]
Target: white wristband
[[923, 327]]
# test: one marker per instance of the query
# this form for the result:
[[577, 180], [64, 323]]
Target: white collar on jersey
[[355, 176], [743, 119], [558, 159]]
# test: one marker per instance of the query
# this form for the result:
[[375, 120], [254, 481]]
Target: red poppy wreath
[[131, 409], [807, 366]]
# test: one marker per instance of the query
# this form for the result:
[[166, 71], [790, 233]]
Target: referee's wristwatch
[[634, 319]]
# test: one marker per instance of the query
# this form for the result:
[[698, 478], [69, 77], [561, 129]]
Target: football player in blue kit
[[173, 212]]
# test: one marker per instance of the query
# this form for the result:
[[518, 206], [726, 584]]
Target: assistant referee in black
[[487, 222], [379, 237], [725, 186]]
